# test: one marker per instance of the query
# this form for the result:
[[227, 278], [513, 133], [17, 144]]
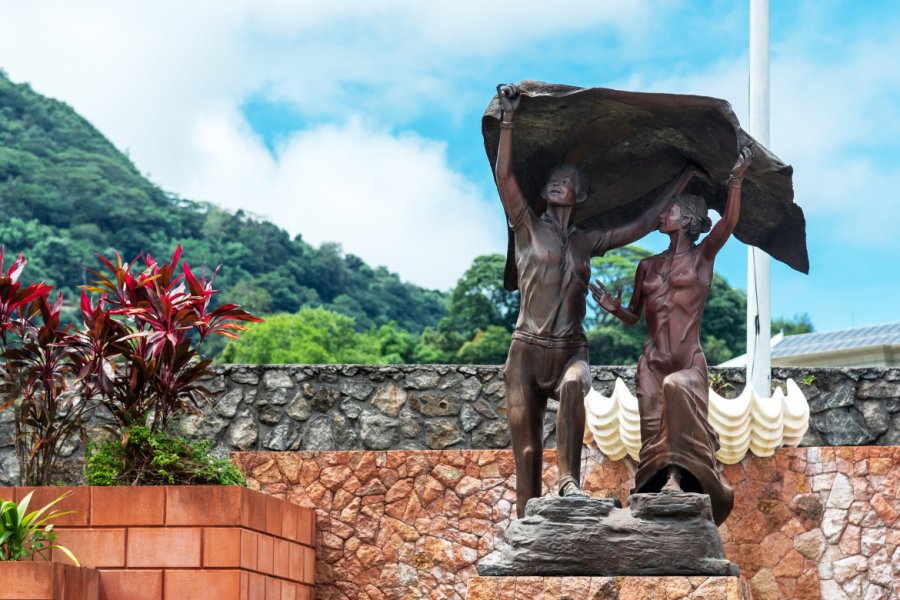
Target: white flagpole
[[759, 320]]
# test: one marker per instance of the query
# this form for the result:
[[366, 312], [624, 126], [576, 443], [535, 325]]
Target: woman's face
[[670, 220], [560, 189]]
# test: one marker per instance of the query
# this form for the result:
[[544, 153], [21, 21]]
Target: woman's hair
[[581, 179], [693, 215]]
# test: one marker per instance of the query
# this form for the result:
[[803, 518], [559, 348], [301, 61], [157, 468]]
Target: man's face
[[560, 188]]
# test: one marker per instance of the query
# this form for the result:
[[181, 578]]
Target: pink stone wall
[[807, 523]]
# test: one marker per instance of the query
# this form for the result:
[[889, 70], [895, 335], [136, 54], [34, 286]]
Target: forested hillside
[[66, 193]]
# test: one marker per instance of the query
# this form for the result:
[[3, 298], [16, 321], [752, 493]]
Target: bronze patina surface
[[632, 145], [548, 354]]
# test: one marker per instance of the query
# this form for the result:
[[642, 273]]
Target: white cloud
[[165, 80], [392, 200], [827, 114]]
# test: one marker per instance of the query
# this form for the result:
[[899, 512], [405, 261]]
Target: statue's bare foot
[[570, 488], [673, 483]]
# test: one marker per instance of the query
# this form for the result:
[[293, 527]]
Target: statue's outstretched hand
[[605, 298], [743, 161], [509, 96]]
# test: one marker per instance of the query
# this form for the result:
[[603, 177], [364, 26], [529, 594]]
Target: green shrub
[[25, 534], [144, 457]]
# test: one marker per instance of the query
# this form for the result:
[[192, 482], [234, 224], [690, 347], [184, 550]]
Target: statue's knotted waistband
[[572, 341]]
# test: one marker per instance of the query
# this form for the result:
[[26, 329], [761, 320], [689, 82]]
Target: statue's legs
[[573, 387], [525, 410]]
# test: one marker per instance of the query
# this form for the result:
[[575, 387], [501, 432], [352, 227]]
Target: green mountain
[[66, 194]]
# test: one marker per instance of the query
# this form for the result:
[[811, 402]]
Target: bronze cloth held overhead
[[548, 355], [678, 445]]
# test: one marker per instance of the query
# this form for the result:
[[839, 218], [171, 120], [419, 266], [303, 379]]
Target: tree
[[799, 323], [486, 347], [479, 299], [725, 318], [615, 270], [395, 345], [309, 336], [66, 194], [616, 344]]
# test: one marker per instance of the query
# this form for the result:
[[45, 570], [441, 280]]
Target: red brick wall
[[807, 523], [216, 542], [47, 581]]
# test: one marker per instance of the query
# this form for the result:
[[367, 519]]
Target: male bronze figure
[[548, 356]]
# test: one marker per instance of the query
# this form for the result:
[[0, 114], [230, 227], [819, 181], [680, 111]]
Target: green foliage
[[24, 535], [615, 270], [715, 350], [479, 300], [808, 379], [486, 347], [724, 321], [309, 336], [395, 345], [478, 325], [479, 306], [800, 323], [616, 344], [718, 384], [144, 457], [66, 193]]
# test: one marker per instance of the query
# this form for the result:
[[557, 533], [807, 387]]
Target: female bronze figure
[[678, 445]]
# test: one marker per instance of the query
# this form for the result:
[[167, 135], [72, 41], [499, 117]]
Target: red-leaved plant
[[136, 353], [144, 333], [38, 375]]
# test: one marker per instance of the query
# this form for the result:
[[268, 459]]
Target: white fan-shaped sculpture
[[603, 423], [746, 423], [629, 419], [731, 420]]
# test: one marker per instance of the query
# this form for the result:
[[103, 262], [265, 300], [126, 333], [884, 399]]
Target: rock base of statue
[[608, 588], [670, 533]]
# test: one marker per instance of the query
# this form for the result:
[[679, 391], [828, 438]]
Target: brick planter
[[47, 581], [216, 542]]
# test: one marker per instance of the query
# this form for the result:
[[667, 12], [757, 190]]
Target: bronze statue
[[548, 356], [678, 445]]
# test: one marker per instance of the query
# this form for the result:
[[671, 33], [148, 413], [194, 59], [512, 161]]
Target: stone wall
[[807, 523], [352, 407]]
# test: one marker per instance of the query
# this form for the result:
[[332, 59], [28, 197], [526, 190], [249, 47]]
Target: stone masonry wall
[[354, 407], [807, 523]]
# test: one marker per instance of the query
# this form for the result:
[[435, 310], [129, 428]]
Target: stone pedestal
[[607, 588], [657, 534]]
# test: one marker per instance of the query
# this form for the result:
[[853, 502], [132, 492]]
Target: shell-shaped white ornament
[[746, 423]]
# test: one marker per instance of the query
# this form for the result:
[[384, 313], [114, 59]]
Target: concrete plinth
[[607, 588]]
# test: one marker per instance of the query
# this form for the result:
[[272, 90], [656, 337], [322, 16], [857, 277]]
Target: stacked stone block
[[436, 407]]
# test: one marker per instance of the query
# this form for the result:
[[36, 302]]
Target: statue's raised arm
[[649, 219], [724, 228], [510, 193]]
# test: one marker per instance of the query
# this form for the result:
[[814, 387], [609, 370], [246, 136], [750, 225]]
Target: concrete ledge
[[607, 588]]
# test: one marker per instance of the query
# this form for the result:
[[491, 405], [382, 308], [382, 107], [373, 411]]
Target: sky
[[359, 122]]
